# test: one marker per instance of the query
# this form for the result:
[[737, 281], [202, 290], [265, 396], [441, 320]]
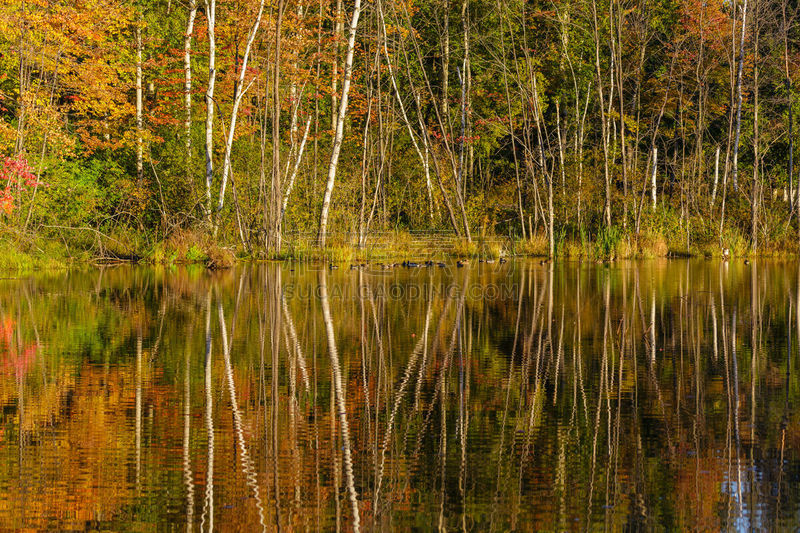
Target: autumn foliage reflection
[[645, 395]]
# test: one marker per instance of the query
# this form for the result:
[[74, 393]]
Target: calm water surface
[[639, 395]]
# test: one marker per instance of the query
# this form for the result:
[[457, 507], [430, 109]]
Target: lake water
[[520, 396]]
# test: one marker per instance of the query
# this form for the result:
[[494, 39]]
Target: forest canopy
[[667, 121]]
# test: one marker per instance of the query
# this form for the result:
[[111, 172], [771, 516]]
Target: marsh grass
[[25, 253], [190, 247], [660, 236]]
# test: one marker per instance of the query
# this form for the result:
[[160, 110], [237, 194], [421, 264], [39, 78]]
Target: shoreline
[[43, 254]]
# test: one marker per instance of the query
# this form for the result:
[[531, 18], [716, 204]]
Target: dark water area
[[657, 395]]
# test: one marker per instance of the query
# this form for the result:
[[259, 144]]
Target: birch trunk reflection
[[208, 501], [341, 410], [600, 397]]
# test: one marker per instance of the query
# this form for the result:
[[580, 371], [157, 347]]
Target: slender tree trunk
[[274, 239], [794, 201], [446, 140], [446, 65], [735, 173], [139, 108], [620, 96], [238, 93], [603, 119], [653, 186], [424, 158], [755, 194], [338, 29], [24, 82], [460, 174], [339, 131], [187, 91], [561, 164], [511, 126], [211, 17], [538, 119], [362, 229], [465, 92], [580, 138], [716, 178]]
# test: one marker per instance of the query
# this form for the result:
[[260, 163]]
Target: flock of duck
[[726, 255], [414, 264]]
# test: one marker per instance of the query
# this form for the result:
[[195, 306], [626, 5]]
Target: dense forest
[[663, 124]]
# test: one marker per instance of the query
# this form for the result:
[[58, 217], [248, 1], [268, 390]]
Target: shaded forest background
[[645, 125]]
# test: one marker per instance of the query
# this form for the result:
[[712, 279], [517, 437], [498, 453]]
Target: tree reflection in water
[[520, 396]]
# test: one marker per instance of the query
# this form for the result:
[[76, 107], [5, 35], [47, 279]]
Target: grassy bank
[[23, 252]]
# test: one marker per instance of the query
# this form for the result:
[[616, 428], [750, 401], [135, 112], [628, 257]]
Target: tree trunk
[[620, 95], [446, 64], [424, 159], [339, 131], [139, 107], [716, 178], [603, 119], [274, 236], [187, 91], [511, 131], [238, 94], [755, 193], [653, 186], [794, 202], [735, 173], [338, 28], [211, 17]]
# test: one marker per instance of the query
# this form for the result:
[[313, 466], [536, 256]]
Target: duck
[[503, 260], [461, 263], [746, 261], [331, 266], [490, 261]]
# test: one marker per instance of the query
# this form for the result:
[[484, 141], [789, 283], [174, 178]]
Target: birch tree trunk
[[139, 107], [238, 94], [339, 132], [716, 178], [187, 91], [274, 236], [396, 91], [211, 18], [337, 35]]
